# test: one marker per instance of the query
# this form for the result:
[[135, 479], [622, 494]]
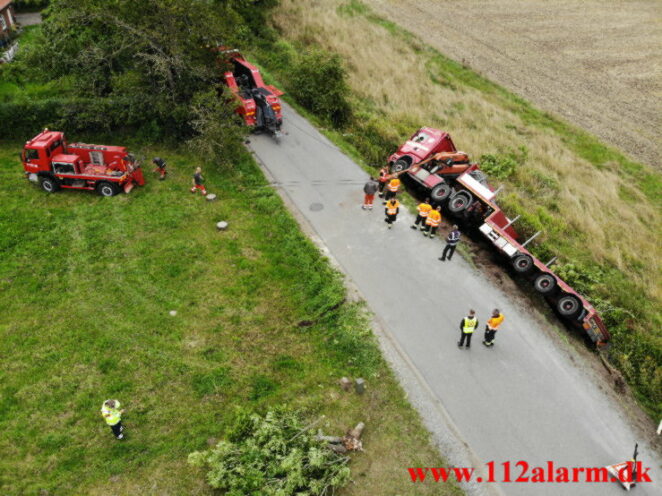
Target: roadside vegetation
[[600, 212], [88, 283]]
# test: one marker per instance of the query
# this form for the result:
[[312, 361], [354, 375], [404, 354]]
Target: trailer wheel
[[400, 165], [545, 283], [107, 189], [440, 193], [460, 202], [568, 305], [522, 264], [49, 184]]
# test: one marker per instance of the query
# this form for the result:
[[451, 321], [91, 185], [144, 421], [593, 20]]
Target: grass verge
[[87, 285]]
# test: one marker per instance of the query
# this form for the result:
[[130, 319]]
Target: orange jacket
[[394, 185], [434, 218], [495, 322], [424, 209], [392, 207]]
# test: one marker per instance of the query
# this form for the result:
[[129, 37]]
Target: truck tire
[[49, 184], [544, 283], [440, 193], [460, 202], [400, 165], [522, 264], [568, 305], [107, 189]]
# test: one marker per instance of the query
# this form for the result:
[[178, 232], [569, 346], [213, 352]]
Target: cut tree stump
[[346, 383], [222, 226], [359, 386], [211, 197]]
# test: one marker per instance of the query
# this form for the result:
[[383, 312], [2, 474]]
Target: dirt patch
[[596, 64]]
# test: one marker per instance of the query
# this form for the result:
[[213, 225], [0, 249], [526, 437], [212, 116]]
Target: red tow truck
[[446, 176], [258, 103], [54, 164]]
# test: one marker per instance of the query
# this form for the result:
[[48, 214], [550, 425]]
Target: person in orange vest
[[392, 188], [423, 211], [492, 327], [392, 210], [383, 179], [432, 223]]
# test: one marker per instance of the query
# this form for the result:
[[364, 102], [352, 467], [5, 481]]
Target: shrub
[[503, 165], [272, 455], [318, 82]]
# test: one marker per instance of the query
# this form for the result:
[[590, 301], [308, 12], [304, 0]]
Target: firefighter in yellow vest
[[467, 327], [392, 210], [492, 327], [423, 211], [432, 222], [113, 416], [392, 188]]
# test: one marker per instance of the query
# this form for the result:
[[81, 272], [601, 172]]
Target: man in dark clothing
[[452, 240], [467, 327], [383, 179], [369, 189], [199, 182], [160, 167]]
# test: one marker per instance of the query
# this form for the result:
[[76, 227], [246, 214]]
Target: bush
[[503, 165], [274, 455], [318, 82]]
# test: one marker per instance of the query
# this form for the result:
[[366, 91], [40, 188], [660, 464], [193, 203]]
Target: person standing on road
[[393, 187], [383, 179], [467, 327], [432, 222], [370, 188], [198, 182], [492, 327], [452, 240], [423, 211], [110, 409], [392, 210], [160, 165]]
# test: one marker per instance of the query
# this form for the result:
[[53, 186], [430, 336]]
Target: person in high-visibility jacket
[[383, 179], [423, 211], [432, 222], [492, 327], [110, 409], [467, 327], [392, 188], [392, 210]]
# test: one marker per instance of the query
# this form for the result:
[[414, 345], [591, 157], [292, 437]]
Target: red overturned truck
[[53, 163], [435, 166]]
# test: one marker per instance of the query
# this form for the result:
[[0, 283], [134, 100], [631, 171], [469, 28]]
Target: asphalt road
[[522, 400]]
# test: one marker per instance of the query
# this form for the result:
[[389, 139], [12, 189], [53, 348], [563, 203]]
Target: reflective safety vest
[[469, 325], [434, 218], [392, 207], [111, 415], [394, 185], [424, 209], [495, 322]]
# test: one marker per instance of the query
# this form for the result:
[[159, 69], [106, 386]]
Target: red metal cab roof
[[45, 138], [63, 157]]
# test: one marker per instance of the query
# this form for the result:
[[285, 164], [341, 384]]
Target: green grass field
[[87, 285]]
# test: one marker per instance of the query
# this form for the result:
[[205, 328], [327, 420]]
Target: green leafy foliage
[[503, 165], [272, 455], [318, 82]]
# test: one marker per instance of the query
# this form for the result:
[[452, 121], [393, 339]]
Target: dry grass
[[619, 225]]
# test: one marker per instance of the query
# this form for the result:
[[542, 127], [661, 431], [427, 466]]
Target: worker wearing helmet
[[392, 188], [383, 179], [492, 327], [432, 222], [423, 211], [110, 410], [198, 182], [160, 167], [467, 327], [392, 210]]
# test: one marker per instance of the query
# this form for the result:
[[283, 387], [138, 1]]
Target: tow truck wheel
[[107, 189], [545, 283], [49, 184], [522, 263], [568, 305], [400, 165], [440, 193], [460, 202]]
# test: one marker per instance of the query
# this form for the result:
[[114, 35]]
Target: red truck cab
[[51, 162]]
